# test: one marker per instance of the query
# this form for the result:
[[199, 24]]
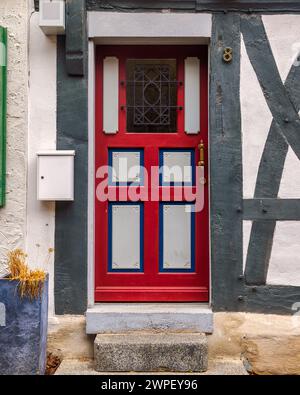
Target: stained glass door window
[[151, 95]]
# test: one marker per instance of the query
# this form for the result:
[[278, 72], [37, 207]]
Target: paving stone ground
[[86, 367]]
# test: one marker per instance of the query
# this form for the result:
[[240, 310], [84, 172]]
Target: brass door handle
[[201, 162], [201, 152]]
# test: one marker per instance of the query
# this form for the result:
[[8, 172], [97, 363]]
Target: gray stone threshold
[[123, 317]]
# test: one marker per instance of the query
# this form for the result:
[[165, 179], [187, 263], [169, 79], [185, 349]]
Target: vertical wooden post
[[76, 37], [226, 164]]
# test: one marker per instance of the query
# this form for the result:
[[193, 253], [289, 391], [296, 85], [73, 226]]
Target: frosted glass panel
[[126, 166], [177, 166], [126, 237], [110, 95], [177, 237], [192, 95]]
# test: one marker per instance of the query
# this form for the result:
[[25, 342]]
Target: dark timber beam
[[277, 98], [70, 274], [140, 5], [226, 164], [262, 6], [271, 209], [248, 5], [76, 36], [271, 299]]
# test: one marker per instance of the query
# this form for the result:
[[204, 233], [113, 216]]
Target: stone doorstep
[[123, 317], [150, 352]]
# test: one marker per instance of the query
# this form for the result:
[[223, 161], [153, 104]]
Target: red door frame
[[166, 287]]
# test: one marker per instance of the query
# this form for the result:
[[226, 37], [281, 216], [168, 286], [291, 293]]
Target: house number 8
[[227, 55]]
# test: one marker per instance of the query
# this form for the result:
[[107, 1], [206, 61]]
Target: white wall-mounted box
[[52, 16], [55, 175]]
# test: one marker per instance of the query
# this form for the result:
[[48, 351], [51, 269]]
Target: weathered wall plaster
[[68, 339], [41, 136], [14, 16], [268, 344], [284, 35]]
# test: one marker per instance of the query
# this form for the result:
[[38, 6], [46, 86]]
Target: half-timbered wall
[[254, 152], [283, 32], [253, 182]]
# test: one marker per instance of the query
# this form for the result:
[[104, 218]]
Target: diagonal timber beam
[[262, 59], [268, 182]]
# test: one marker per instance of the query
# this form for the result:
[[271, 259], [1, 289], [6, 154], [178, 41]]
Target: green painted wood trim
[[3, 98], [271, 209]]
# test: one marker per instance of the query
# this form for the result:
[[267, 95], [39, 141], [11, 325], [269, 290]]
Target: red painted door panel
[[151, 281]]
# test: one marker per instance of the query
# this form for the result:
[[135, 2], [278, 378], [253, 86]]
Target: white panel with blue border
[[125, 237], [126, 166], [177, 167], [176, 237]]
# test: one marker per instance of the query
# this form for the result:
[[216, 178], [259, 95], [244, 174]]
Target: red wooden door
[[150, 246]]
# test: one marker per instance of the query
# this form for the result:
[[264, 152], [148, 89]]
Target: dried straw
[[30, 281]]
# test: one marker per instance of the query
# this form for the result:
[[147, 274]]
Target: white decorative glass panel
[[192, 95], [126, 237], [126, 166], [110, 95], [177, 237], [177, 166]]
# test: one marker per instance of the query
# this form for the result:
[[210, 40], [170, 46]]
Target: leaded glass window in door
[[151, 94]]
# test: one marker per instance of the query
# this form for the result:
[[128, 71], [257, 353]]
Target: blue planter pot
[[23, 331]]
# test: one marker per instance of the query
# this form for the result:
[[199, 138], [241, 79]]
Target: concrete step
[[151, 352], [123, 317]]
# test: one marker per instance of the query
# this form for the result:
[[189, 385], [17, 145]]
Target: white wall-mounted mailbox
[[55, 175], [52, 16]]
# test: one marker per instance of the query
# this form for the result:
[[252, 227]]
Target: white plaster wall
[[14, 15], [284, 35], [285, 257], [41, 136]]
